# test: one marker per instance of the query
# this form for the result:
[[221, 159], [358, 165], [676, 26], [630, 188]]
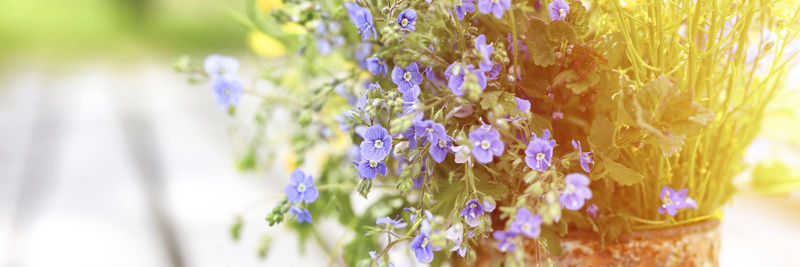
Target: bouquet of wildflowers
[[487, 129]]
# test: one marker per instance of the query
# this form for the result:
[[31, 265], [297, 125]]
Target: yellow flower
[[293, 28], [265, 45], [267, 5]]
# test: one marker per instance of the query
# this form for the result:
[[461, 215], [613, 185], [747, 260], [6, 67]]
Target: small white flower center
[[301, 188], [378, 144], [407, 76], [373, 163], [526, 227], [424, 242], [485, 145], [570, 189], [562, 13], [404, 22], [227, 91], [540, 156], [472, 206], [495, 1], [442, 143]]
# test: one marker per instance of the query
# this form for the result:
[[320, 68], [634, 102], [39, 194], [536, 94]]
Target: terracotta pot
[[689, 245]]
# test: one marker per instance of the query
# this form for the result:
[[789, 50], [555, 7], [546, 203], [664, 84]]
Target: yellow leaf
[[265, 45], [267, 5]]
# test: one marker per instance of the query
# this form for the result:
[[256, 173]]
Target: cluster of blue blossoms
[[483, 143]]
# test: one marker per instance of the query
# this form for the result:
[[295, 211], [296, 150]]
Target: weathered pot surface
[[689, 245]]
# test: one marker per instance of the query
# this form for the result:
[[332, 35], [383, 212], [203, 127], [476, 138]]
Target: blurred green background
[[119, 28]]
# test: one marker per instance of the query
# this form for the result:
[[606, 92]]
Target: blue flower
[[463, 8], [407, 19], [672, 201], [370, 169], [523, 105], [218, 65], [592, 210], [421, 245], [539, 153], [472, 212], [505, 240], [376, 66], [303, 216], [362, 18], [377, 143], [486, 144], [585, 157], [496, 7], [301, 188], [429, 130], [227, 90], [456, 74], [520, 46], [363, 51], [411, 105], [440, 148], [395, 223], [407, 79], [526, 223], [576, 192], [485, 52], [558, 10]]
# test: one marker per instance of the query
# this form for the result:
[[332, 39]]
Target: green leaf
[[602, 134], [493, 189], [538, 45], [489, 99], [582, 85], [619, 173], [612, 48], [559, 31], [358, 249], [565, 77], [577, 18], [552, 240], [236, 228], [612, 226]]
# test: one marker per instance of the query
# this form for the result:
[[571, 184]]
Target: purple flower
[[411, 105], [539, 153], [485, 52], [504, 240], [486, 143], [472, 212], [303, 216], [526, 223], [456, 74], [456, 234], [301, 188], [576, 192], [585, 157], [376, 66], [592, 210], [421, 245], [407, 19], [558, 10], [227, 90], [673, 201], [362, 18], [691, 203], [496, 7], [523, 105], [429, 130], [370, 169], [440, 148], [363, 51], [218, 65], [461, 10], [377, 143], [407, 79], [520, 46], [396, 223]]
